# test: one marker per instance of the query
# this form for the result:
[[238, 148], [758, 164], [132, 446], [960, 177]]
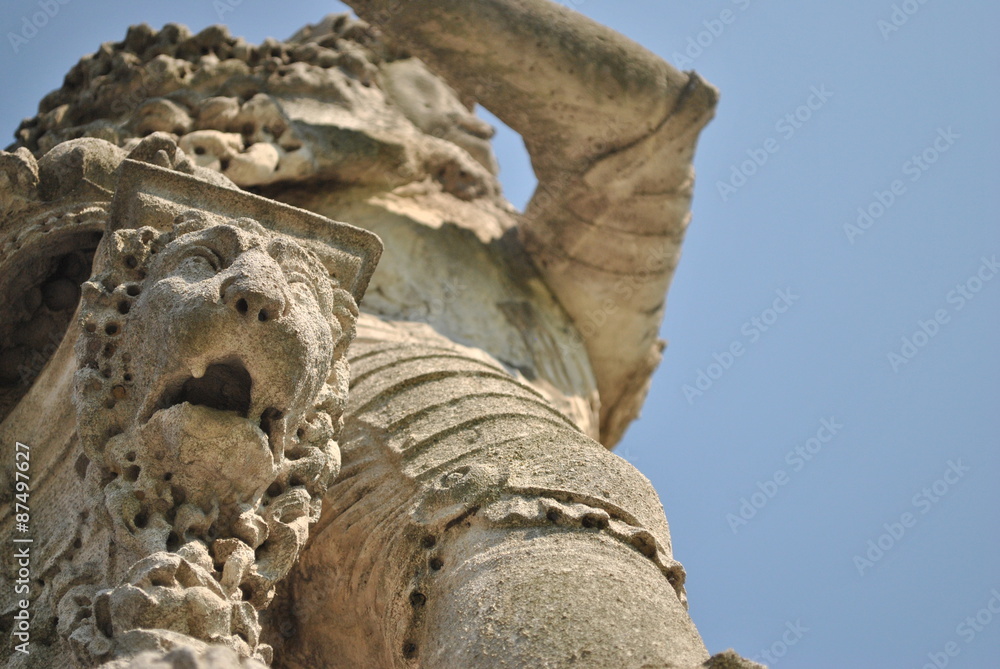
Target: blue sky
[[832, 489]]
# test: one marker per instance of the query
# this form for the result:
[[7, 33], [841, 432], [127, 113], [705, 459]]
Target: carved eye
[[202, 258]]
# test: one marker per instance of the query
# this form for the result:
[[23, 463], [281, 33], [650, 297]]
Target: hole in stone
[[199, 150], [81, 465], [160, 581], [179, 494], [127, 377], [130, 456], [123, 307], [102, 616], [295, 481], [553, 515], [224, 164], [109, 350], [262, 315], [131, 262], [409, 650], [300, 433], [594, 522], [247, 592], [132, 473], [173, 542], [77, 544], [140, 520], [133, 290], [111, 329], [428, 542], [168, 476], [436, 564], [268, 418], [417, 599], [242, 306], [90, 327], [274, 489]]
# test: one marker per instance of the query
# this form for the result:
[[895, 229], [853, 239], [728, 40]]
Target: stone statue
[[216, 495]]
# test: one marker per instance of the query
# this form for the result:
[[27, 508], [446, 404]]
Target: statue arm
[[611, 130], [574, 89]]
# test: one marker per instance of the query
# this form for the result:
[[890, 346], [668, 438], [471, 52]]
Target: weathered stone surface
[[464, 513], [210, 388]]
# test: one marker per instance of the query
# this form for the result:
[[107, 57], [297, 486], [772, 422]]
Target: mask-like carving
[[211, 382]]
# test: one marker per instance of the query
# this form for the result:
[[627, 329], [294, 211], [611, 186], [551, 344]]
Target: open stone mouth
[[224, 386]]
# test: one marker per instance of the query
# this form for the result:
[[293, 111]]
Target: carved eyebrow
[[187, 248], [216, 257]]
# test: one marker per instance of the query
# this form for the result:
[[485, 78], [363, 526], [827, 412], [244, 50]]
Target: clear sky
[[823, 430]]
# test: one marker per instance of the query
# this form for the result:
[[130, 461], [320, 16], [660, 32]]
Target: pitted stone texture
[[212, 378], [52, 214], [341, 103], [207, 486], [309, 108], [210, 657]]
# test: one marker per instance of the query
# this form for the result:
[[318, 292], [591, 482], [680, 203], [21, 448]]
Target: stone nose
[[256, 291]]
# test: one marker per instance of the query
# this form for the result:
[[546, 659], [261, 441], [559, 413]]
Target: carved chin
[[211, 454]]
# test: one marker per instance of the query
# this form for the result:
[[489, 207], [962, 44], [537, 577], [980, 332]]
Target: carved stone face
[[212, 377], [235, 320], [212, 374]]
